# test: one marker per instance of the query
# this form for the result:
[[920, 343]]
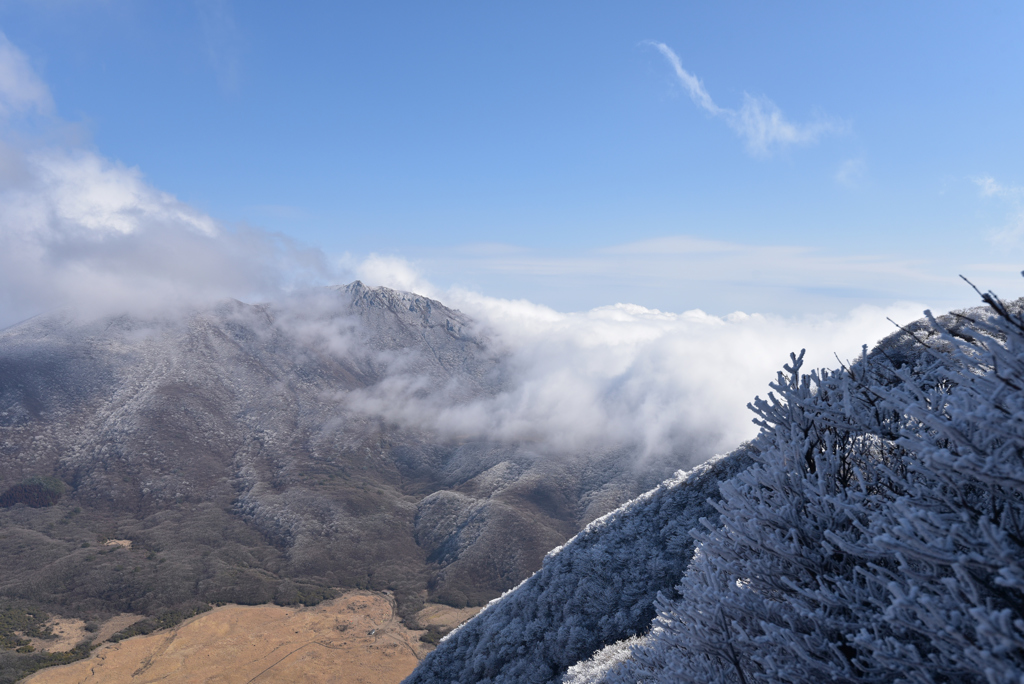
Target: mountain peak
[[408, 307]]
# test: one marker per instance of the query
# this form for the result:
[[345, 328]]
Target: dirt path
[[354, 639]]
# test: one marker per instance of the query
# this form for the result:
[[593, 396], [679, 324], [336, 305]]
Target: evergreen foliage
[[37, 492], [17, 623], [15, 667], [18, 658]]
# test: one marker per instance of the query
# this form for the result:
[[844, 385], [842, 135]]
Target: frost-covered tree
[[768, 597], [957, 529], [878, 538]]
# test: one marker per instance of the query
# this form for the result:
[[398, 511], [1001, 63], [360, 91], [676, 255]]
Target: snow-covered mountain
[[241, 447]]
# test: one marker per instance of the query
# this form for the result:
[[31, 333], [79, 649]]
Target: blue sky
[[764, 157]]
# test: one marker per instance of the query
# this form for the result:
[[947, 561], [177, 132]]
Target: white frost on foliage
[[603, 665], [597, 589]]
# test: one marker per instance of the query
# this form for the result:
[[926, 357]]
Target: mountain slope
[[596, 590], [235, 447]]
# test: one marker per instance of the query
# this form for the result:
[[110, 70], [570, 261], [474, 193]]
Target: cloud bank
[[624, 375], [81, 231], [758, 121], [84, 232]]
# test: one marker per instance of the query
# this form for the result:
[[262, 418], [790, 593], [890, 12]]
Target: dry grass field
[[354, 639], [71, 632]]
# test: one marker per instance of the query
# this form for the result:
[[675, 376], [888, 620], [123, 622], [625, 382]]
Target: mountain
[[241, 450]]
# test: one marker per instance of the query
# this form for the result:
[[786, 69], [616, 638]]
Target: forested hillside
[[235, 449]]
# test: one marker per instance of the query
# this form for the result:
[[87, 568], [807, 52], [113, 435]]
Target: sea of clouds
[[623, 374]]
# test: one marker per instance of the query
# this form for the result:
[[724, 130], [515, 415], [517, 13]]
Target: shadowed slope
[[596, 590]]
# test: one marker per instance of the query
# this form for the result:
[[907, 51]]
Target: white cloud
[[1011, 233], [21, 90], [850, 172], [989, 187], [80, 231], [84, 190], [625, 375], [85, 232], [758, 121], [394, 272]]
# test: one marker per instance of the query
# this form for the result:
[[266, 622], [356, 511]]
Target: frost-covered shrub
[[597, 589], [957, 528], [768, 597], [605, 665]]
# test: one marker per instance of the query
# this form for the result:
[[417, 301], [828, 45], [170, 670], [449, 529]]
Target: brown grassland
[[356, 638]]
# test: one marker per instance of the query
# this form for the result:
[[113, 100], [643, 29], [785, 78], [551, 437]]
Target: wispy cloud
[[1011, 233], [851, 172], [21, 89], [675, 244], [716, 274], [990, 187], [758, 121], [692, 84]]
